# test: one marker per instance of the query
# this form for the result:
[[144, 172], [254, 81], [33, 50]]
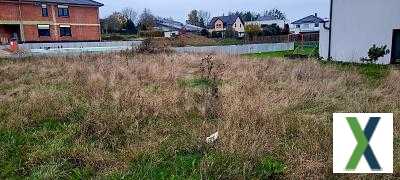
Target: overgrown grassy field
[[147, 116]]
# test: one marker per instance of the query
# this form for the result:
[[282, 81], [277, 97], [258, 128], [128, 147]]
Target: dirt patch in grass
[[148, 116]]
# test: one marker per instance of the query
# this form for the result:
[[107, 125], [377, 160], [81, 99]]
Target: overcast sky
[[178, 9]]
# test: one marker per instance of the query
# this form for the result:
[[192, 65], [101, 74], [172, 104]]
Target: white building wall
[[304, 28], [169, 34], [323, 40], [238, 26], [357, 25]]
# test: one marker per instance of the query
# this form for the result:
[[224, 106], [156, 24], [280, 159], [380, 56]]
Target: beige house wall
[[218, 26], [238, 26]]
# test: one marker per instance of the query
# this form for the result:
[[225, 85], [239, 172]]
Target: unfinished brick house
[[49, 20]]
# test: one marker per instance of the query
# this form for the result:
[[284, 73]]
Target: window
[[316, 25], [45, 12], [44, 30], [298, 26], [65, 30], [63, 11]]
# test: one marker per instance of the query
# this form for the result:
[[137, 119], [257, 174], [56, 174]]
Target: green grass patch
[[270, 167], [195, 83], [6, 87], [154, 88], [4, 60], [396, 141], [11, 161], [197, 165], [60, 170], [40, 152], [164, 166], [306, 44], [372, 72], [219, 42], [307, 51], [262, 55]]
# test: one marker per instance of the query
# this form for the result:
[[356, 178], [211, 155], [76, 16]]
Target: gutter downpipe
[[330, 31]]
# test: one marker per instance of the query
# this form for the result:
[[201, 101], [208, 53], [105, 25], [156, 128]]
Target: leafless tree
[[205, 15], [198, 18], [276, 13], [146, 20], [129, 14], [193, 18]]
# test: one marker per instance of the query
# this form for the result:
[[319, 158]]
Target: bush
[[253, 30], [272, 30], [375, 53], [204, 32], [150, 46], [231, 33], [286, 29], [216, 34]]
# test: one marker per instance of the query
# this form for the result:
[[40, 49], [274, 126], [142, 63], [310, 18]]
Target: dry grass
[[100, 115], [184, 40]]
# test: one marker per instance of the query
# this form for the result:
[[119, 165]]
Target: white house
[[267, 20], [309, 24], [359, 24]]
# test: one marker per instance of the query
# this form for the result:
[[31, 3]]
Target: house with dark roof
[[173, 28], [265, 20], [309, 24], [219, 25], [49, 20]]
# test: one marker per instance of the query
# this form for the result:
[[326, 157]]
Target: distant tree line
[[268, 30], [128, 21], [119, 22], [252, 16], [202, 18]]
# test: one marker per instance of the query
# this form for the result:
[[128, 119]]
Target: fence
[[309, 37], [78, 44], [239, 49]]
